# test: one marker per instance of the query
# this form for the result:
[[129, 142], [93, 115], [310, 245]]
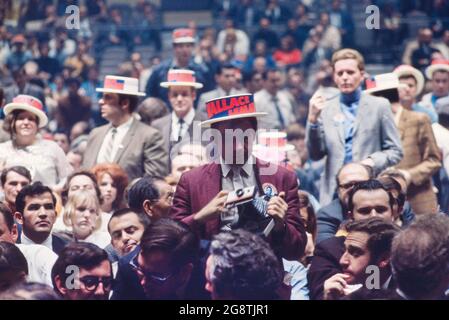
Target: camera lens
[[239, 192]]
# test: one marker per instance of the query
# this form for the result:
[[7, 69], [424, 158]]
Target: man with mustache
[[35, 211]]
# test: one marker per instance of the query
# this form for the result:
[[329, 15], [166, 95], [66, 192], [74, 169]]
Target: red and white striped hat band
[[437, 65], [183, 35], [29, 100], [121, 85], [181, 77]]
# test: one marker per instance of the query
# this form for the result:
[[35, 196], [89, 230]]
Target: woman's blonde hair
[[81, 198]]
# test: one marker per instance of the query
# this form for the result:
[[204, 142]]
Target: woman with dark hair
[[112, 180], [43, 158]]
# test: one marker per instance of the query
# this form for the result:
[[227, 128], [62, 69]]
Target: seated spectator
[[22, 85], [80, 180], [48, 67], [331, 216], [275, 12], [13, 266], [266, 33], [260, 50], [367, 199], [244, 13], [62, 140], [183, 163], [80, 62], [112, 181], [367, 244], [421, 53], [253, 81], [93, 280], [18, 55], [82, 215], [419, 259], [151, 196], [236, 38], [151, 109], [75, 159], [165, 266], [126, 228], [148, 29], [288, 54], [13, 179], [35, 211], [242, 266]]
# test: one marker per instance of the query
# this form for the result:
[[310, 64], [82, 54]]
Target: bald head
[[348, 175]]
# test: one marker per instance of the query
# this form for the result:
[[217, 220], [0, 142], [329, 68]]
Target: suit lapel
[[126, 140], [96, 145], [337, 118], [403, 122], [212, 185], [361, 113]]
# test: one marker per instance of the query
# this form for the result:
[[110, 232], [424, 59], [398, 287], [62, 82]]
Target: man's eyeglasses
[[148, 275], [91, 282]]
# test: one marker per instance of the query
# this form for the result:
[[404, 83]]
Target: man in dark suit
[[180, 126], [135, 146], [366, 199], [35, 211], [201, 194], [331, 216]]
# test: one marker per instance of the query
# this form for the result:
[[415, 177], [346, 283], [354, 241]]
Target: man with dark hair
[[35, 211], [351, 126], [421, 154], [152, 196], [126, 227], [82, 272], [13, 179], [242, 266], [419, 259], [29, 291], [367, 244], [40, 259], [367, 199], [164, 266], [226, 80], [133, 145], [275, 102], [13, 265], [331, 216]]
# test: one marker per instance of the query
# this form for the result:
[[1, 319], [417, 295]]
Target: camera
[[252, 211]]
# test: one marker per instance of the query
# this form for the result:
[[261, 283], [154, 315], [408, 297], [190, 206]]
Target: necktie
[[110, 146], [278, 110], [237, 179], [180, 123]]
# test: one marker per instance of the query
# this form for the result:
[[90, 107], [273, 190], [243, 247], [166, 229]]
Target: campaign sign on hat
[[181, 77], [183, 35], [30, 104], [231, 107], [121, 85], [381, 82]]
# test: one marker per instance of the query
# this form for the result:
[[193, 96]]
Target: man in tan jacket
[[421, 154]]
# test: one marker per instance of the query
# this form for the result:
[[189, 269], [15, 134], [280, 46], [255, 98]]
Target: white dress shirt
[[122, 130], [47, 243], [264, 103], [40, 261], [188, 119]]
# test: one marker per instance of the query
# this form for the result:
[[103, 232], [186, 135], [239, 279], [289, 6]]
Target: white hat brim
[[43, 119], [196, 85], [372, 90], [207, 123], [414, 73], [184, 40], [142, 94], [434, 67]]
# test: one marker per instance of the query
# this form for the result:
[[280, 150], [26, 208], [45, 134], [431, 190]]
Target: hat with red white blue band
[[231, 107], [121, 85]]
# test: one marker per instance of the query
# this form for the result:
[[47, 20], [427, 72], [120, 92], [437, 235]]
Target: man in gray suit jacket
[[181, 126], [351, 126], [135, 146]]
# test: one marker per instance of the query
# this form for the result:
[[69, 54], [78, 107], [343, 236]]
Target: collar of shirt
[[247, 167], [397, 116], [47, 242], [188, 119], [124, 127]]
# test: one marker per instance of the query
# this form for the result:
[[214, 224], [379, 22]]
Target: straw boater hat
[[231, 107], [439, 64], [384, 81], [181, 77], [407, 70], [183, 35], [30, 104], [121, 85]]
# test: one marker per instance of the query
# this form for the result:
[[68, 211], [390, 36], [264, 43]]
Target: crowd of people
[[270, 168]]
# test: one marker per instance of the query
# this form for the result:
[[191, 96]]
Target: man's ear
[[59, 286], [19, 218], [384, 261], [148, 208], [14, 233]]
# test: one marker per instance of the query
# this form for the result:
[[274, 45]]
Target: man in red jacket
[[201, 194]]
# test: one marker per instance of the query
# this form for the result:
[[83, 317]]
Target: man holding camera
[[201, 198]]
